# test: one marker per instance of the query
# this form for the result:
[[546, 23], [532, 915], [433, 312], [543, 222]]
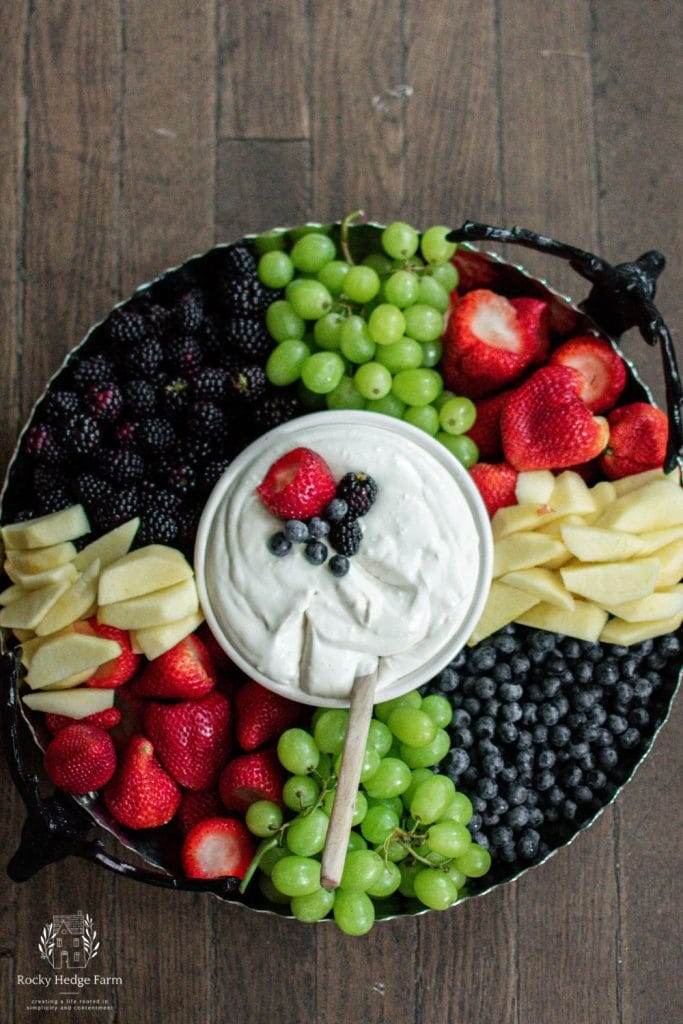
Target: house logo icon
[[69, 941]]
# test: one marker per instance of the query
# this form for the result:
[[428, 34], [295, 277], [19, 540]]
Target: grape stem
[[344, 240], [256, 860]]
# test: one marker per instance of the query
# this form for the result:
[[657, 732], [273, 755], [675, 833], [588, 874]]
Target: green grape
[[438, 708], [306, 833], [430, 293], [360, 806], [448, 839], [390, 779], [431, 797], [378, 824], [390, 405], [327, 331], [474, 862], [425, 757], [394, 803], [309, 229], [282, 322], [322, 371], [345, 396], [401, 289], [373, 380], [431, 353], [354, 913], [442, 399], [312, 252], [434, 246], [423, 322], [270, 858], [355, 340], [424, 417], [296, 876], [275, 269], [285, 362], [460, 445], [387, 883], [317, 715], [384, 709], [412, 726], [459, 810], [457, 415], [386, 324], [404, 354], [309, 399], [446, 274], [270, 892], [330, 730], [361, 869], [300, 792], [310, 300], [379, 737], [325, 769], [263, 817], [332, 275], [395, 851], [297, 753], [456, 876], [408, 874], [271, 241], [361, 284], [434, 889], [417, 387], [369, 766], [379, 263], [356, 842], [417, 776], [400, 240], [313, 907]]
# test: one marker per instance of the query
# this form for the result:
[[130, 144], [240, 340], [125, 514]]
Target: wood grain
[[261, 185]]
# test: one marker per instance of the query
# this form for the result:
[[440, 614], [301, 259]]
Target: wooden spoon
[[337, 840]]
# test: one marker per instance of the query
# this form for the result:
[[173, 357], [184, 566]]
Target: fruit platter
[[309, 455]]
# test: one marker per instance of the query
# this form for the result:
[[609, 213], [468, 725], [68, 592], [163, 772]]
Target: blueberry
[[447, 681], [598, 714], [607, 674], [483, 659], [630, 739], [549, 714], [669, 645], [492, 764], [608, 757], [629, 668], [485, 746], [596, 779], [552, 814], [339, 565], [546, 759], [542, 641], [481, 839], [518, 816], [583, 672], [486, 788], [587, 762], [472, 705], [544, 780], [510, 692], [575, 720], [583, 795], [529, 713], [527, 846], [593, 652], [511, 712], [484, 727], [569, 809], [524, 739], [562, 704], [461, 719], [617, 724], [571, 649], [508, 774], [535, 817], [463, 738], [501, 836], [484, 688], [316, 552], [474, 823], [507, 854], [506, 644], [336, 510], [555, 795], [456, 762], [642, 689], [539, 734], [644, 648], [520, 665], [491, 707], [525, 761], [560, 736], [278, 545], [580, 699], [578, 750], [296, 531], [507, 732], [604, 738], [499, 805], [639, 717], [502, 673], [572, 776], [535, 693], [318, 528], [470, 775], [551, 686], [479, 803]]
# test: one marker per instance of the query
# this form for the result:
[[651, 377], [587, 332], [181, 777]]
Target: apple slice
[[670, 561], [66, 573], [110, 546], [523, 551], [664, 604], [656, 539], [29, 648], [656, 506], [521, 518], [66, 654], [619, 632], [571, 495], [543, 585], [158, 639], [74, 603], [603, 495], [28, 611], [592, 544], [55, 528], [637, 480], [40, 559], [600, 583], [72, 703], [554, 529], [23, 634], [584, 623], [155, 609], [11, 594], [151, 568], [504, 605], [71, 681], [534, 487]]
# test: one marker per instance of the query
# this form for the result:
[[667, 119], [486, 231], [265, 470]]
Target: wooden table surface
[[134, 133]]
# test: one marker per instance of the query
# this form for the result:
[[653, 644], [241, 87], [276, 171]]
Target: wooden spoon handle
[[337, 840]]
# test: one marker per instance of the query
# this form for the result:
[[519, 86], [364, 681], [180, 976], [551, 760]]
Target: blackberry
[[248, 383], [247, 297], [189, 311], [104, 401], [152, 495], [172, 285], [183, 353], [206, 418], [157, 527], [178, 476], [201, 449], [144, 359], [188, 521], [174, 396], [117, 509], [239, 261], [210, 383], [125, 466], [249, 338], [126, 433], [346, 537], [59, 405], [95, 370], [140, 397], [211, 471], [91, 489], [155, 435], [156, 316], [54, 501], [126, 327], [81, 435], [276, 409], [213, 337], [49, 480], [41, 444], [359, 492]]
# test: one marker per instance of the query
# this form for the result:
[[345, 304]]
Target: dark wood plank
[[263, 59]]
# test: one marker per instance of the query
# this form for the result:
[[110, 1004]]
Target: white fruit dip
[[408, 588]]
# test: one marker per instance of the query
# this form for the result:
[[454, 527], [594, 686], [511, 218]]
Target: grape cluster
[[409, 838], [367, 336]]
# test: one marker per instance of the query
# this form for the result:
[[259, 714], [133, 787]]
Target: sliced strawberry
[[141, 794], [486, 430], [262, 715], [603, 371], [197, 807], [637, 442], [217, 848], [80, 758], [496, 484], [119, 670], [191, 738], [184, 672], [475, 270], [534, 320], [107, 719], [298, 485], [251, 777]]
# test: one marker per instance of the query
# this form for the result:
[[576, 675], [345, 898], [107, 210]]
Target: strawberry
[[474, 271], [106, 720], [603, 371], [80, 758], [217, 655], [637, 442], [546, 424], [262, 715], [533, 316], [496, 484], [119, 670], [486, 430], [183, 672], [298, 485], [486, 346], [191, 739], [141, 794], [217, 848], [251, 777], [197, 807]]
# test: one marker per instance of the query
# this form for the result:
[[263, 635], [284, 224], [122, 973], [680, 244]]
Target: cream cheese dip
[[416, 577]]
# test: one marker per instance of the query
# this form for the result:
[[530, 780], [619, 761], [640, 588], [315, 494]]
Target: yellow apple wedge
[[72, 703], [656, 539], [74, 602], [593, 544], [664, 604], [571, 495], [543, 584], [521, 518], [670, 561], [534, 487], [109, 547], [619, 632], [55, 528], [156, 640], [66, 573], [637, 480], [584, 623], [504, 605], [524, 551], [71, 681], [67, 654], [155, 609], [603, 495], [554, 529], [28, 611], [602, 581], [151, 568], [40, 559], [656, 506], [22, 634], [11, 594]]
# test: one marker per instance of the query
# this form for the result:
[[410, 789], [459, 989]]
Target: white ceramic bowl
[[353, 420]]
